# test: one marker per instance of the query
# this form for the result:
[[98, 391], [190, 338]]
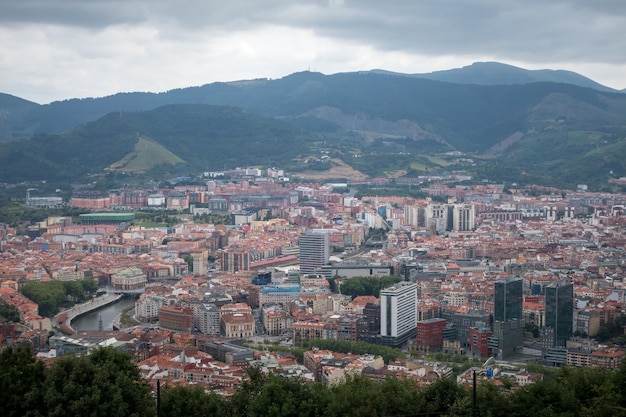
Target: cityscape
[[312, 209], [519, 275]]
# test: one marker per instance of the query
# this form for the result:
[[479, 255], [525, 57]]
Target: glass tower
[[560, 311], [508, 299]]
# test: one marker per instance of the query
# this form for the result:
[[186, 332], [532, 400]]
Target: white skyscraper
[[411, 215], [398, 313], [437, 217], [314, 250]]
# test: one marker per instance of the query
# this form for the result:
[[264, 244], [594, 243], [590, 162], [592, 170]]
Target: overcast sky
[[59, 49]]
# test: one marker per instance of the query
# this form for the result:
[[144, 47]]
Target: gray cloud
[[533, 30], [150, 40]]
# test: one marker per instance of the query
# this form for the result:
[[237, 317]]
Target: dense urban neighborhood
[[530, 275]]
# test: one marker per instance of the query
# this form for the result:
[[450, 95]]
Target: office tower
[[436, 217], [508, 299], [411, 215], [314, 250], [508, 325], [463, 217], [559, 312], [398, 313]]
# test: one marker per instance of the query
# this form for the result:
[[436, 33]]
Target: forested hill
[[195, 136], [469, 116], [542, 132]]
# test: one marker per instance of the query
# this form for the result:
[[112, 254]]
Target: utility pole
[[474, 402], [158, 410]]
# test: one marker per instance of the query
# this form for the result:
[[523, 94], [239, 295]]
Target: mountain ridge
[[19, 121], [497, 73], [376, 123]]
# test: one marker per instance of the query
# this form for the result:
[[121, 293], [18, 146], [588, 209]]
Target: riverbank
[[64, 319], [125, 319]]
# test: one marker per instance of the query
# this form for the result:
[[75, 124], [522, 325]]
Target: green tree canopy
[[367, 285], [103, 383], [52, 295], [9, 313], [21, 382]]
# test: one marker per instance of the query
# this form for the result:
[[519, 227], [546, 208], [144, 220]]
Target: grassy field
[[146, 155]]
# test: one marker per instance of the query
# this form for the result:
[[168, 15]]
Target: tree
[[190, 402], [104, 383], [274, 395], [52, 295], [21, 383], [9, 313], [367, 285], [356, 396], [189, 260]]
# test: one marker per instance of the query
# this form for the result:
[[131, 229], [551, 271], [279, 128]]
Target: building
[[352, 268], [279, 294], [368, 325], [276, 320], [436, 218], [398, 313], [107, 218], [314, 250], [175, 319], [479, 341], [587, 322], [508, 324], [44, 202], [508, 299], [307, 330], [235, 260], [147, 307], [206, 319], [463, 217], [559, 313], [129, 279], [237, 326], [459, 322], [430, 335]]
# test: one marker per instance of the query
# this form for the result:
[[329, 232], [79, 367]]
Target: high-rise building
[[508, 325], [314, 250], [235, 259], [508, 299], [398, 313], [463, 217], [411, 215], [559, 312], [436, 217]]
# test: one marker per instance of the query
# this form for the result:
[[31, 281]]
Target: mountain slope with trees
[[534, 132], [496, 73], [200, 135]]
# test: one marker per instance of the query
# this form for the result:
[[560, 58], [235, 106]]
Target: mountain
[[380, 124], [274, 98], [496, 73], [186, 137], [12, 111]]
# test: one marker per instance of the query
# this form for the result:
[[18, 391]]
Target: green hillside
[[380, 124], [146, 155], [194, 137]]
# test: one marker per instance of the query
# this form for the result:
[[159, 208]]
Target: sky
[[60, 49]]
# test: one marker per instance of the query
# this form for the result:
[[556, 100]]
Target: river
[[91, 321]]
